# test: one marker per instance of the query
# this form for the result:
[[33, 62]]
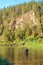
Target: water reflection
[[22, 55]]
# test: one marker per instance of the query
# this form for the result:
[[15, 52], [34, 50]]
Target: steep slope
[[28, 17]]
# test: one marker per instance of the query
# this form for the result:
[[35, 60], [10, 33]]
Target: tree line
[[11, 12]]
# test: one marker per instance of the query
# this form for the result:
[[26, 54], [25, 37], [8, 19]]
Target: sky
[[6, 3]]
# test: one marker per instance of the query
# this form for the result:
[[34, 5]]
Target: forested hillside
[[22, 24]]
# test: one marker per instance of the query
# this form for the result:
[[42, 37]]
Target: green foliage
[[9, 35], [4, 62], [20, 34], [42, 22], [1, 29], [30, 31]]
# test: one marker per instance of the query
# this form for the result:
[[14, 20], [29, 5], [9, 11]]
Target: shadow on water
[[4, 62]]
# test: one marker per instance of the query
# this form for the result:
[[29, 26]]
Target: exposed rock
[[28, 17], [12, 24]]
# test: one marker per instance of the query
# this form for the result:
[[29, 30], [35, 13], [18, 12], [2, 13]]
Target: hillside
[[22, 22]]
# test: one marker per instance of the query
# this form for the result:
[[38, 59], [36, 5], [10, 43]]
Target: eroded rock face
[[12, 24], [29, 18]]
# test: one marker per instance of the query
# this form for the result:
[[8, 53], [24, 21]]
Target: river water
[[22, 55]]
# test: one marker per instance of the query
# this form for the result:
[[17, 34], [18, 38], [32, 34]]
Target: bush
[[4, 62]]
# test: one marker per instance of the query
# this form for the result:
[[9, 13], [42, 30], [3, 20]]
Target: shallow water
[[19, 56]]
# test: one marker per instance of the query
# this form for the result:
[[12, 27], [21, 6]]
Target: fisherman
[[26, 53]]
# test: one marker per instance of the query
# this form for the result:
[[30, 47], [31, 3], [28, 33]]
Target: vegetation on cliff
[[22, 23]]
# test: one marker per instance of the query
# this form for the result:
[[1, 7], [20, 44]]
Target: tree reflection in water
[[4, 62]]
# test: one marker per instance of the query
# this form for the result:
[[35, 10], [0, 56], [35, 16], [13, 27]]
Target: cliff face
[[28, 17]]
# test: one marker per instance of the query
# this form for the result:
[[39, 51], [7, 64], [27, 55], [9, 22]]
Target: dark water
[[22, 55]]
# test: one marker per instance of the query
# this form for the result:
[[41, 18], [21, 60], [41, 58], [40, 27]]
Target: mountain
[[21, 21]]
